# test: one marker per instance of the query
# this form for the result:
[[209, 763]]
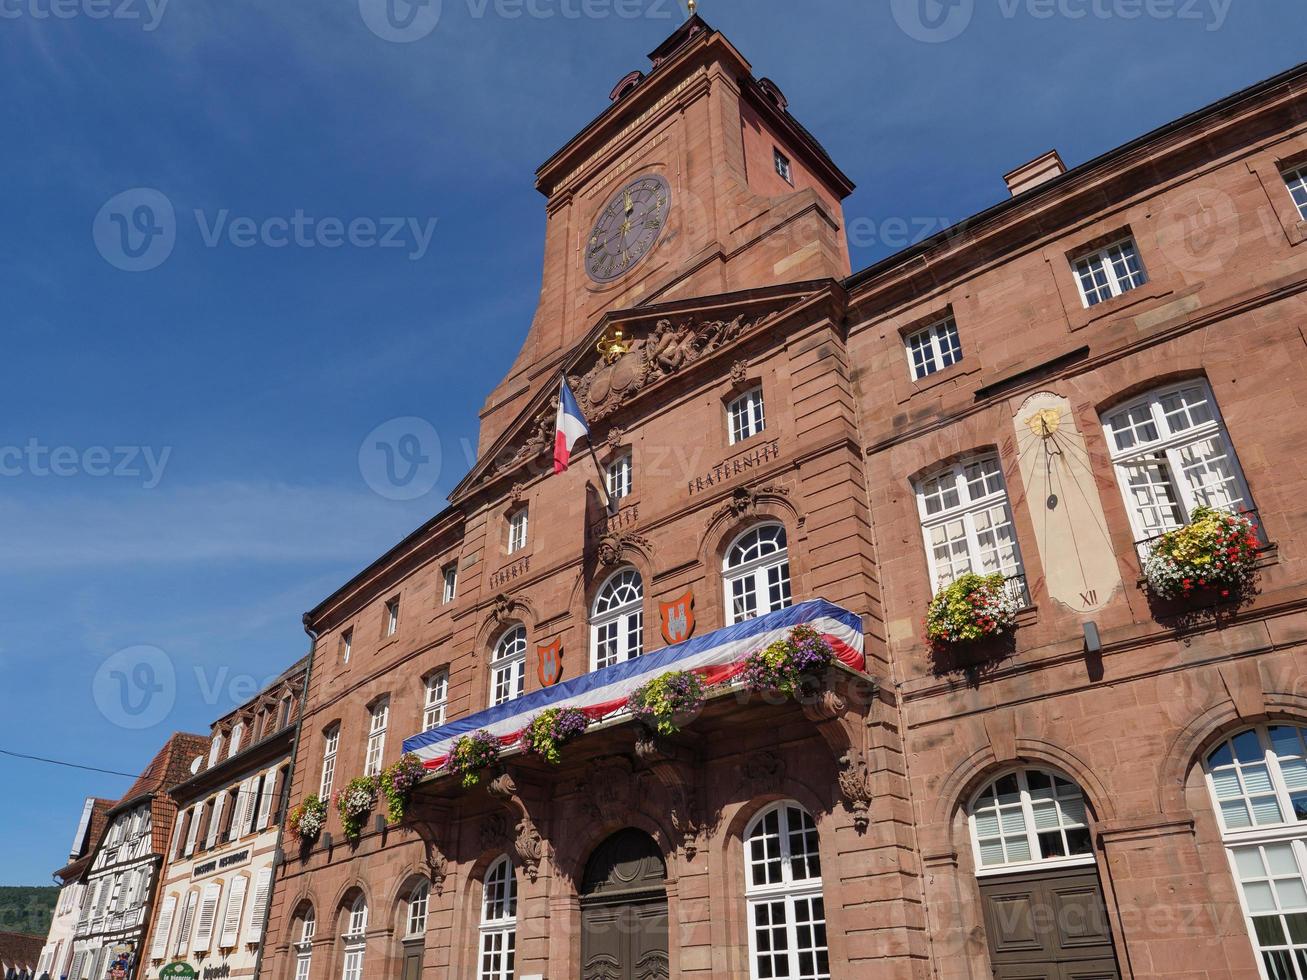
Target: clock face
[[627, 228]]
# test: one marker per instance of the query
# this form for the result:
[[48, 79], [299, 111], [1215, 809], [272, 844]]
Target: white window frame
[[215, 749], [378, 719], [746, 415], [790, 891], [617, 619], [757, 576], [1067, 801], [1295, 182], [237, 734], [304, 947], [953, 479], [392, 616], [617, 477], [355, 941], [498, 926], [1289, 833], [1114, 280], [416, 911], [508, 666], [435, 699], [346, 644], [784, 168], [939, 345], [1169, 445], [517, 530], [330, 746], [449, 583]]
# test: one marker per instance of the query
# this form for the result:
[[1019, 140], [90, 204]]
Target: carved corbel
[[425, 819], [855, 787], [528, 845], [502, 609], [674, 764]]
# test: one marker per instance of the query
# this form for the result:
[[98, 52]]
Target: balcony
[[603, 694]]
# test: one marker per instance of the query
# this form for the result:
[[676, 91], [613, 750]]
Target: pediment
[[627, 355]]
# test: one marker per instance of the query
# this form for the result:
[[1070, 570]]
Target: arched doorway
[[624, 910], [1039, 888]]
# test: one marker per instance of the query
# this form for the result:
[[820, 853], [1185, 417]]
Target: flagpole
[[594, 454]]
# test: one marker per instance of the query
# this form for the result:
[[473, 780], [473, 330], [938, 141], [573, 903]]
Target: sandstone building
[[1119, 790]]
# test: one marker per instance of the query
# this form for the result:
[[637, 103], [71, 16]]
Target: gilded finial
[[693, 6]]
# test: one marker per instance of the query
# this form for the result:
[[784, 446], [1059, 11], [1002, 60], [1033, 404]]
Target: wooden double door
[[624, 911], [1051, 925]]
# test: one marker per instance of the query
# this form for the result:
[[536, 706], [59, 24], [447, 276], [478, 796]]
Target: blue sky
[[245, 377]]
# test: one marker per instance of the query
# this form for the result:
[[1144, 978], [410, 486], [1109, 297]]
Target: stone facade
[[747, 290]]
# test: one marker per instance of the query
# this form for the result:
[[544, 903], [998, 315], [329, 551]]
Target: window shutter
[[215, 820], [265, 804], [161, 929], [208, 912], [102, 903], [244, 804], [184, 928], [193, 832], [262, 886], [231, 919]]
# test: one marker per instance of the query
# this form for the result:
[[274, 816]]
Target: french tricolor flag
[[571, 426]]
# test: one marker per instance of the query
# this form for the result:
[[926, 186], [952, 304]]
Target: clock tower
[[695, 181]]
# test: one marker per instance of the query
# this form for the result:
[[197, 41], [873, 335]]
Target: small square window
[[933, 349], [392, 616], [517, 531], [783, 166], [1296, 181], [346, 645], [450, 579], [619, 477], [1109, 272], [745, 415]]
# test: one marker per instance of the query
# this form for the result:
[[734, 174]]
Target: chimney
[[1038, 171]]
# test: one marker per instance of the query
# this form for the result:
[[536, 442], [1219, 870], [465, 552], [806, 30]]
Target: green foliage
[[27, 909], [971, 607], [397, 783], [665, 700]]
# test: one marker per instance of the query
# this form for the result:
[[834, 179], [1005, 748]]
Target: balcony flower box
[[550, 730], [397, 782], [788, 665], [307, 820], [1215, 553], [472, 754], [970, 609], [354, 803], [669, 702]]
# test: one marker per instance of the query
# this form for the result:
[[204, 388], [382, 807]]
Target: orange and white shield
[[550, 666], [678, 618]]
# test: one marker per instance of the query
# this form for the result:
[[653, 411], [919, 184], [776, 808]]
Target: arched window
[[508, 666], [1172, 454], [617, 623], [355, 940], [304, 944], [415, 924], [499, 922], [1030, 817], [1258, 782], [967, 524], [782, 884], [757, 573]]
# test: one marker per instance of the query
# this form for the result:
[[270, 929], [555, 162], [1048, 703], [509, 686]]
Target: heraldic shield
[[678, 618], [550, 665]]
